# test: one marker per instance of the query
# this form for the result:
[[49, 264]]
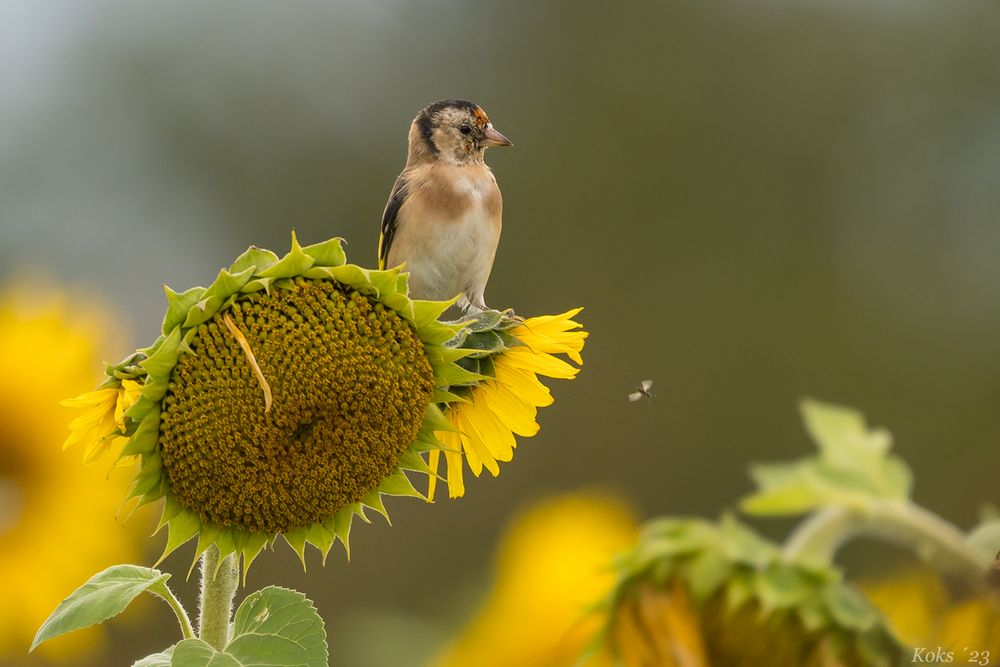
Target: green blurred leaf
[[742, 545], [986, 537], [104, 596], [706, 573], [849, 608], [782, 586], [785, 488], [853, 467]]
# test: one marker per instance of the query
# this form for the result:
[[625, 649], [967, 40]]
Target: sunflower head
[[283, 399], [696, 593]]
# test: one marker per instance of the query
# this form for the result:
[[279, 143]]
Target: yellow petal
[[498, 438], [456, 485], [475, 450], [523, 384], [570, 343], [433, 459], [543, 364], [474, 432], [515, 414], [91, 399]]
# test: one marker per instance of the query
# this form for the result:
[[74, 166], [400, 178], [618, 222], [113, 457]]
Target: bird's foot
[[509, 314]]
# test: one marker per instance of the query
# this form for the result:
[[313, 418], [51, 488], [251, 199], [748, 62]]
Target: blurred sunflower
[[294, 392], [553, 562], [49, 350], [923, 613], [509, 355], [696, 594]]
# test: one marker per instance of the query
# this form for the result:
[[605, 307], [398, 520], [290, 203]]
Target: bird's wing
[[635, 396], [390, 219], [647, 385]]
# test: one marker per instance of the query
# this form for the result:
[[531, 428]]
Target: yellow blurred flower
[[661, 628], [57, 520], [552, 565], [507, 403], [694, 593], [924, 614]]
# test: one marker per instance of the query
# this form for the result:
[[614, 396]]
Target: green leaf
[[706, 573], [226, 285], [267, 650], [485, 320], [484, 341], [986, 537], [144, 440], [161, 659], [781, 586], [853, 467], [253, 256], [196, 653], [178, 305], [426, 312], [251, 650], [281, 613], [844, 441], [398, 484], [293, 264], [849, 608], [104, 596], [784, 489], [742, 545], [327, 253]]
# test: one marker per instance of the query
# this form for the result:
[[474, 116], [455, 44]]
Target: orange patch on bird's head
[[482, 120]]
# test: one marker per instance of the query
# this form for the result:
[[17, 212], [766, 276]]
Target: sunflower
[[508, 354], [551, 564], [289, 396], [697, 594], [46, 501]]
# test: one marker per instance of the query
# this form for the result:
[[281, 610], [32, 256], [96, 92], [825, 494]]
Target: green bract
[[285, 398], [751, 606]]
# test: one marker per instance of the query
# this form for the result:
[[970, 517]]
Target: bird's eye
[[465, 129]]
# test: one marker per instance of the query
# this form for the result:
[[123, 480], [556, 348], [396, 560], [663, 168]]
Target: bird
[[445, 211], [642, 390]]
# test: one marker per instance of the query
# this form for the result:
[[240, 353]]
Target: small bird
[[444, 213], [642, 390]]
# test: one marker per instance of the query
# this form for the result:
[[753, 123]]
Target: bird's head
[[456, 131]]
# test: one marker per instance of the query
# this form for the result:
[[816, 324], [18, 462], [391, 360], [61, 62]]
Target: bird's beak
[[494, 138]]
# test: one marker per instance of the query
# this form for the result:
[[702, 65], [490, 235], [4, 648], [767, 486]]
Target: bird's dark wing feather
[[390, 219]]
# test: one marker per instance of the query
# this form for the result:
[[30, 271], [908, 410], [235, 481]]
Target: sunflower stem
[[218, 588], [820, 536]]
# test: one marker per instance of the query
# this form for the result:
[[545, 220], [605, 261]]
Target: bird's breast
[[449, 232]]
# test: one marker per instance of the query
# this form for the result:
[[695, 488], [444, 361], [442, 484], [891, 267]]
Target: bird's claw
[[509, 314]]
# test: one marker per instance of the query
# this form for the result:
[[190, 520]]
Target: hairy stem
[[218, 588], [168, 596], [941, 544]]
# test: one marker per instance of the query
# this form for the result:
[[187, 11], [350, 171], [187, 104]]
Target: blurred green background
[[755, 201]]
